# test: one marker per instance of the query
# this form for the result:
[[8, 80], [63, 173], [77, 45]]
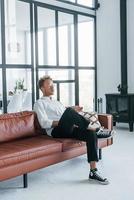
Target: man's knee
[[69, 109]]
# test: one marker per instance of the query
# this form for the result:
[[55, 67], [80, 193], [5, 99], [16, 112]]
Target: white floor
[[68, 180]]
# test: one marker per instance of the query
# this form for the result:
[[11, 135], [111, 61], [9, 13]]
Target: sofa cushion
[[68, 144], [27, 148], [17, 125]]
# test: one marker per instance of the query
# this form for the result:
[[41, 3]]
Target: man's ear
[[41, 89]]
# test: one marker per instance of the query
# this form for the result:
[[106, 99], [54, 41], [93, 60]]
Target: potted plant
[[19, 85]]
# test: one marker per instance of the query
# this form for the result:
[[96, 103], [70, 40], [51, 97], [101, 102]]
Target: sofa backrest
[[18, 125]]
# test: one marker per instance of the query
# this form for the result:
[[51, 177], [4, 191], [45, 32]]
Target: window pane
[[1, 108], [86, 89], [66, 39], [58, 74], [70, 1], [85, 41], [46, 37], [0, 36], [67, 94], [89, 3], [17, 27], [19, 95]]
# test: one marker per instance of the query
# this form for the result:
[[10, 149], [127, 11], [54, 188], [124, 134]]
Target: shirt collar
[[47, 98]]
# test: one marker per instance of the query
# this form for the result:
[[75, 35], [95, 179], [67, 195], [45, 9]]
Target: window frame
[[75, 67], [5, 66], [96, 4], [34, 67]]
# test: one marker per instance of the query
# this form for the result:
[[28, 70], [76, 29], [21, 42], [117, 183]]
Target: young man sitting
[[62, 122]]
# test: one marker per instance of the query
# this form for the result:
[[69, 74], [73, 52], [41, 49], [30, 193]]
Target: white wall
[[130, 40], [108, 48]]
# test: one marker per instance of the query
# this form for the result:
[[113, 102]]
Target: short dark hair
[[43, 79]]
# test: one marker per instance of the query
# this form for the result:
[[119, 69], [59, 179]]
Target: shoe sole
[[100, 182], [111, 135]]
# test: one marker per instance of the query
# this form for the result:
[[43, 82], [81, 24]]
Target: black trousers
[[73, 125]]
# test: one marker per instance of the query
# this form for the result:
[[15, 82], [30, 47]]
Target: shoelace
[[98, 176], [102, 132]]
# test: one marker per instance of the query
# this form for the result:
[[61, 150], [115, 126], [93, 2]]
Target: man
[[61, 122]]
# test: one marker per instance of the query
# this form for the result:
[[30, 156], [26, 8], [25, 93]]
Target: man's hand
[[77, 108], [55, 123]]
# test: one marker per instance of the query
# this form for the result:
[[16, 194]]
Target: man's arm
[[44, 121]]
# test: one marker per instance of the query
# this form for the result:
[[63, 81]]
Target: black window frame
[[5, 66], [34, 67], [96, 4], [75, 67]]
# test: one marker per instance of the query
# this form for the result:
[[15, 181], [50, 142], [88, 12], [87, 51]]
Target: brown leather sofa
[[23, 147]]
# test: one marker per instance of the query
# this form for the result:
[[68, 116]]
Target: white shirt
[[48, 110]]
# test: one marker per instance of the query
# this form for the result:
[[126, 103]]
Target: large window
[[87, 3], [85, 41], [66, 39], [86, 89], [69, 1], [19, 94], [67, 91], [86, 62], [58, 74], [67, 46], [16, 66], [17, 28], [43, 40], [21, 79], [56, 50], [46, 37]]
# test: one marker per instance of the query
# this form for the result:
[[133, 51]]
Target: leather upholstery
[[106, 120], [38, 163], [16, 125], [70, 143], [24, 147]]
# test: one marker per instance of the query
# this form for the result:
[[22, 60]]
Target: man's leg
[[92, 155], [66, 129], [70, 118], [66, 124], [91, 142]]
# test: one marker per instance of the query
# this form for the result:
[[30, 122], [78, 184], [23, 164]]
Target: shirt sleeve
[[42, 116]]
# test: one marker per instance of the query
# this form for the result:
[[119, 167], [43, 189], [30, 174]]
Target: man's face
[[48, 88]]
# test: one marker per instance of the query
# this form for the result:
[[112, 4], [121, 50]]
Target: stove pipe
[[123, 33]]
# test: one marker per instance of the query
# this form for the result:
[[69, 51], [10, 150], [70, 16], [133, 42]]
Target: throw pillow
[[92, 117]]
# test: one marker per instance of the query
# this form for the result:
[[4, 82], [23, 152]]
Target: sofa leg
[[100, 154], [25, 181]]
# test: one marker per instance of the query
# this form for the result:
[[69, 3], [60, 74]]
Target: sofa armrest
[[106, 120]]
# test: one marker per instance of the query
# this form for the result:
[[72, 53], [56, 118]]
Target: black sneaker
[[95, 176], [104, 133]]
